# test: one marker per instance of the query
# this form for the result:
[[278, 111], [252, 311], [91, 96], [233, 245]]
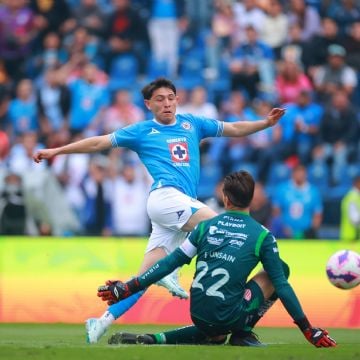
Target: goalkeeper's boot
[[245, 339], [171, 283], [128, 338], [95, 329]]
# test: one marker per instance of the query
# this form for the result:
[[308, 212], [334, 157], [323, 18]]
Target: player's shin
[[184, 335]]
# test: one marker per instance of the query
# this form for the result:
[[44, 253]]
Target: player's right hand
[[43, 154], [319, 337], [115, 290]]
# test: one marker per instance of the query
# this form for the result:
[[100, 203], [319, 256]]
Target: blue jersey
[[170, 153]]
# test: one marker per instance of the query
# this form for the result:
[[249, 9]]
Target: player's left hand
[[274, 116], [319, 337], [113, 291]]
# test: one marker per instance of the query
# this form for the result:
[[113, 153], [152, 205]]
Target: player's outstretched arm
[[243, 128], [115, 290], [316, 336], [89, 145]]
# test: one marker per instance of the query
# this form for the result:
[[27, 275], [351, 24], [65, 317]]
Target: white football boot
[[95, 329], [171, 283]]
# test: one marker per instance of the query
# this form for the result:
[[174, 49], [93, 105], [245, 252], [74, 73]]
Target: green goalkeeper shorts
[[251, 302]]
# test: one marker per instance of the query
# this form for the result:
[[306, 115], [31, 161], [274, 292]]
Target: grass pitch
[[65, 341]]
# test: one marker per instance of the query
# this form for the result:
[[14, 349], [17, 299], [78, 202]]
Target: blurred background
[[71, 69]]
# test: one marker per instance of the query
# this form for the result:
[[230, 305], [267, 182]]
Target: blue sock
[[123, 306]]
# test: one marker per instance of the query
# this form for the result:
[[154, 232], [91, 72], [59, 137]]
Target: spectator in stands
[[96, 214], [70, 170], [316, 49], [345, 13], [23, 116], [251, 65], [351, 43], [17, 32], [12, 206], [53, 101], [339, 135], [299, 206], [4, 147], [88, 99], [129, 192], [294, 48], [121, 113], [198, 104], [350, 213], [81, 41], [247, 14], [274, 28], [264, 149], [125, 33], [19, 159], [306, 116], [260, 207], [216, 202], [50, 16], [334, 75], [306, 16], [88, 15], [290, 82], [219, 39], [51, 55], [238, 150], [167, 22]]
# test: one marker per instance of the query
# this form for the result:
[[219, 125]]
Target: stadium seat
[[318, 175], [209, 177], [278, 173], [191, 70], [123, 72], [251, 168], [156, 68]]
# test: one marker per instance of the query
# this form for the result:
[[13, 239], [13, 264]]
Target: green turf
[[60, 341]]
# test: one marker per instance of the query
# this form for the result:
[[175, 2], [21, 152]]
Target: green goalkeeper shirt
[[228, 248]]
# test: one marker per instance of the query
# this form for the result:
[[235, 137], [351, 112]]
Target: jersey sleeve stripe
[[220, 128], [259, 242], [113, 140], [188, 248]]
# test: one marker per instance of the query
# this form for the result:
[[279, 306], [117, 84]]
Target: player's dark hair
[[239, 188], [149, 89]]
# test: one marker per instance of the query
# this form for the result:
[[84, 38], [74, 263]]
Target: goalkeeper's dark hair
[[239, 188], [149, 89]]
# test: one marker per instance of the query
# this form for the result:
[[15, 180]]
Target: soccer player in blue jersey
[[223, 301], [168, 145]]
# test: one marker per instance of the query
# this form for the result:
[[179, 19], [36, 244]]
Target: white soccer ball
[[343, 269]]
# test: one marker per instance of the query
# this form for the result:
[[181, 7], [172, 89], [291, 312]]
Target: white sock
[[107, 319]]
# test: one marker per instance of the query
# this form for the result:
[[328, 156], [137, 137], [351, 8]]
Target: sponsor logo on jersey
[[275, 250], [186, 125], [179, 152], [179, 213], [247, 294], [231, 224], [154, 131], [214, 240], [236, 243]]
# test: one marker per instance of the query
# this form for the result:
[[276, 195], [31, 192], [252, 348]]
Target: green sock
[[184, 335]]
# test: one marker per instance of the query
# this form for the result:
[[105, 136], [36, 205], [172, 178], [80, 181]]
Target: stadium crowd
[[71, 69]]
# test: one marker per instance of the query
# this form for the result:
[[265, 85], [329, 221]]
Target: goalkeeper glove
[[115, 290], [316, 336]]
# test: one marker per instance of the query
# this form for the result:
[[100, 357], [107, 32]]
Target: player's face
[[163, 105]]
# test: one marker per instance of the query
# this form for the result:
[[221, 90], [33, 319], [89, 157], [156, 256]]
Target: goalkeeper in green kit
[[223, 301]]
